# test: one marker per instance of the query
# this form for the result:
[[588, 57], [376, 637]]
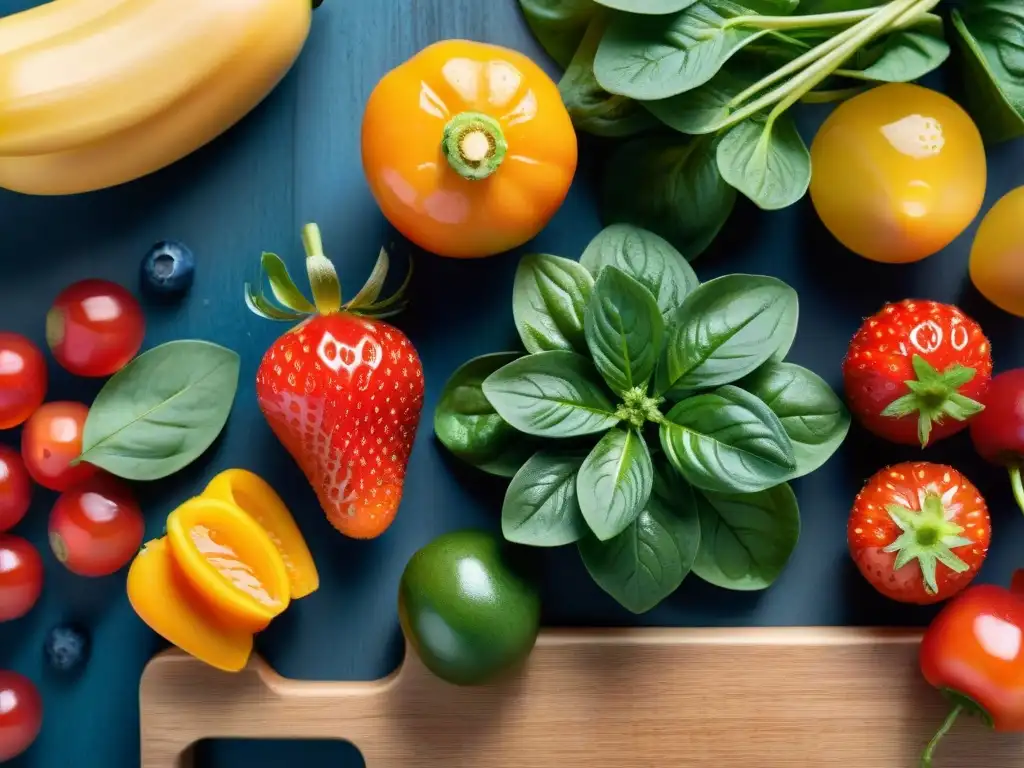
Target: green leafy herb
[[704, 109], [767, 161], [746, 539], [551, 394], [541, 507], [160, 412], [559, 25], [902, 56], [467, 425], [647, 6], [614, 482], [549, 300]]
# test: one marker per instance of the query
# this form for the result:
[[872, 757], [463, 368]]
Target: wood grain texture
[[704, 698]]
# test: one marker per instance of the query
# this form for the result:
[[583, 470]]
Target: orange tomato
[[468, 148], [899, 172], [997, 269]]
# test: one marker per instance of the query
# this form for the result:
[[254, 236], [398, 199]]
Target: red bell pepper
[[974, 653]]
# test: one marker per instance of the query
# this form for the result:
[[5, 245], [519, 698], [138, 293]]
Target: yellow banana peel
[[95, 93]]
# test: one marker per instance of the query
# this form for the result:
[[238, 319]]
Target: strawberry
[[915, 372], [342, 390]]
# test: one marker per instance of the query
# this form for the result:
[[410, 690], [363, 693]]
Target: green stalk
[[815, 21]]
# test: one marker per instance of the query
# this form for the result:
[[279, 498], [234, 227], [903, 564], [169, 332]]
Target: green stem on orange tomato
[[323, 278], [1017, 486], [926, 758]]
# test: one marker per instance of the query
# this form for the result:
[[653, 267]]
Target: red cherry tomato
[[94, 327], [21, 714], [21, 579], [22, 379], [50, 440], [15, 488], [96, 527]]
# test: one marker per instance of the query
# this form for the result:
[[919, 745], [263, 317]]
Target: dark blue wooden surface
[[296, 159]]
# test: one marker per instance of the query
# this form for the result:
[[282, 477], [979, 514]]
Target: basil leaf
[[704, 109], [649, 560], [990, 35], [814, 417], [726, 329], [654, 57], [591, 108], [551, 394], [624, 330], [727, 441], [615, 482], [646, 6], [669, 185], [541, 508], [161, 411], [900, 57], [766, 160], [647, 258], [549, 299], [746, 539], [559, 25], [468, 426]]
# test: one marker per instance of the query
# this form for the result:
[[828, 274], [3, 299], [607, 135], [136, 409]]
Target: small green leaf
[[549, 300], [649, 560], [647, 258], [767, 161], [614, 482], [727, 441], [746, 539], [541, 508], [259, 305], [551, 394], [624, 329], [559, 25], [282, 285], [704, 109], [371, 289], [468, 426], [900, 57]]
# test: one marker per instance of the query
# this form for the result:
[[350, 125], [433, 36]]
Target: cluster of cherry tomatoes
[[93, 329]]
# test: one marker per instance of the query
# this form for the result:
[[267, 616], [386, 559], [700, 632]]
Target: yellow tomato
[[898, 173], [997, 257]]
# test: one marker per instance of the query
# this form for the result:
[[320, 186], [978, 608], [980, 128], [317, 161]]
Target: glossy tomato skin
[[95, 327], [15, 488], [996, 266], [23, 379], [973, 647], [21, 577], [871, 529], [998, 431], [21, 717], [50, 440], [96, 527], [899, 173]]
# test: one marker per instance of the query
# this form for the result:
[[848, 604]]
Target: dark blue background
[[296, 159]]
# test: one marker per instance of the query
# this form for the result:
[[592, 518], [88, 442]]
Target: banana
[[135, 85]]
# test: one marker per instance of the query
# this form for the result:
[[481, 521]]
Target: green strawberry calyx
[[934, 395], [929, 537], [289, 304]]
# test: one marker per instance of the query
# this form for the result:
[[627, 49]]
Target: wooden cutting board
[[643, 698]]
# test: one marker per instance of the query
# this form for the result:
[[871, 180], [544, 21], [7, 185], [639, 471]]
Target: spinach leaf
[[813, 416], [654, 57], [160, 412], [551, 394], [615, 482], [649, 560], [746, 539], [726, 329], [468, 426], [541, 508], [647, 6], [559, 25], [766, 160], [669, 185], [624, 330], [592, 108], [703, 109], [900, 57], [991, 34], [727, 441], [647, 258], [549, 299]]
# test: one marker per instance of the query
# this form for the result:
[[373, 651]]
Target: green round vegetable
[[465, 608]]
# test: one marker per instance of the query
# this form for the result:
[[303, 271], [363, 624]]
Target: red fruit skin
[[870, 529], [21, 716], [15, 488], [998, 431], [974, 647], [21, 577], [23, 379], [50, 440], [879, 362], [344, 396]]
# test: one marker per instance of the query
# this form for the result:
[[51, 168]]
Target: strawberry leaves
[[928, 537]]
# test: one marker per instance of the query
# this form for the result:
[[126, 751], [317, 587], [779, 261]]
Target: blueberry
[[66, 647], [168, 268]]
